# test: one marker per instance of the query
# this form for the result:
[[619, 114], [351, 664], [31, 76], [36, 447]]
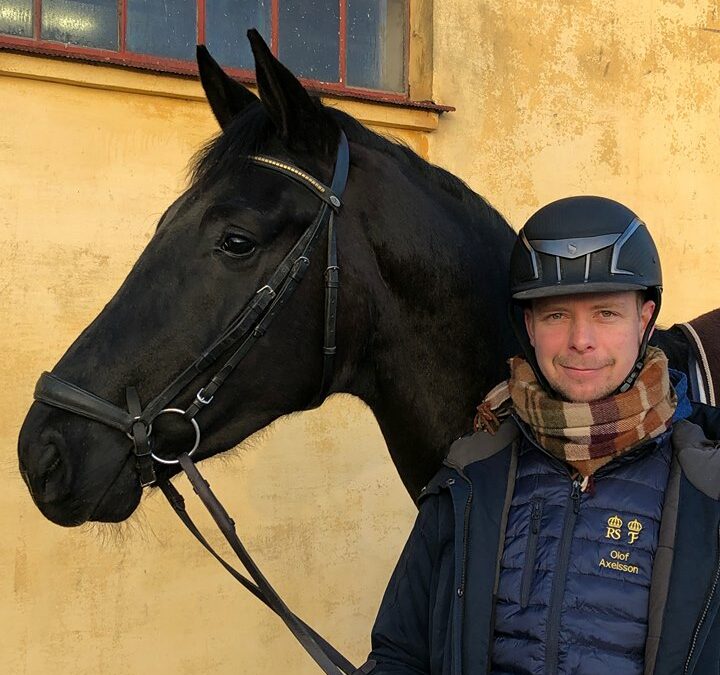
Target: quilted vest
[[575, 571]]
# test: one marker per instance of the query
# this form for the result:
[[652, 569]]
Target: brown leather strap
[[141, 438], [324, 654]]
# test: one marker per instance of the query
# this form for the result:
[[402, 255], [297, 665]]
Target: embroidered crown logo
[[613, 528], [635, 525], [615, 522]]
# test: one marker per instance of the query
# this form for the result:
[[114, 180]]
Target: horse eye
[[237, 245]]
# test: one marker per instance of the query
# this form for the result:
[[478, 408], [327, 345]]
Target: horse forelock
[[227, 152]]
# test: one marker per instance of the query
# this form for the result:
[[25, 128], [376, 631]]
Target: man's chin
[[583, 394]]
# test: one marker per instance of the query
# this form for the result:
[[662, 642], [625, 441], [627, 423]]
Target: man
[[579, 531]]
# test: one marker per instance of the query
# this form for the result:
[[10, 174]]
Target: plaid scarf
[[585, 435]]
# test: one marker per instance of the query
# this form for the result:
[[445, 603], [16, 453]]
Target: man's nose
[[582, 337]]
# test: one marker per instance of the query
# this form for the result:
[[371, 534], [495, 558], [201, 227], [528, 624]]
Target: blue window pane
[[376, 44], [162, 28], [226, 26], [92, 23], [309, 38], [16, 17]]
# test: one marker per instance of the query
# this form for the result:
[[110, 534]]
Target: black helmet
[[584, 245]]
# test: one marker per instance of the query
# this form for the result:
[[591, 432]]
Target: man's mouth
[[582, 370]]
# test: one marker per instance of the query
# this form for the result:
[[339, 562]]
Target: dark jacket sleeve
[[400, 637]]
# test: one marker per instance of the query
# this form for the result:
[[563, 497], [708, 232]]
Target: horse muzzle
[[68, 482]]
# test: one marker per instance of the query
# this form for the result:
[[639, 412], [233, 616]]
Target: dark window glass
[[376, 44], [226, 26], [92, 23], [162, 28], [309, 38], [16, 17]]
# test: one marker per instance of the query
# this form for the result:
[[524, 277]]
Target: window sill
[[370, 107]]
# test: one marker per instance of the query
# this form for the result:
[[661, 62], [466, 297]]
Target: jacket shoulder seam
[[480, 445]]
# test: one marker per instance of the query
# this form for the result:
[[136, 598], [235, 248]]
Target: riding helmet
[[583, 244]]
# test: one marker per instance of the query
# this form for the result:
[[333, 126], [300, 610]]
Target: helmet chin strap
[[517, 321], [640, 362]]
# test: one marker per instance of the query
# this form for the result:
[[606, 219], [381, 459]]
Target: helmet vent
[[573, 248], [629, 231], [533, 256]]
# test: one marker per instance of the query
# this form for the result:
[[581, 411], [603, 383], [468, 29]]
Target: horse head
[[417, 248]]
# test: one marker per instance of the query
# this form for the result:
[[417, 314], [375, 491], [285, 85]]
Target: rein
[[238, 338]]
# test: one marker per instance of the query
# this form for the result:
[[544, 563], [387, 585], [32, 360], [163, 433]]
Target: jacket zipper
[[706, 609], [559, 579], [466, 527], [457, 660], [531, 552]]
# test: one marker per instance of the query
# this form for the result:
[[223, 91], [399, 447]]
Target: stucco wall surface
[[552, 98], [90, 158], [607, 97]]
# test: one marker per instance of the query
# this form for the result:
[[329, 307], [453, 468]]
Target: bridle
[[236, 340]]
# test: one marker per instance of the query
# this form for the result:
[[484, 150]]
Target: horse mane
[[227, 152]]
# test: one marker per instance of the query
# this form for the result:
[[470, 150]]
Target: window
[[341, 45]]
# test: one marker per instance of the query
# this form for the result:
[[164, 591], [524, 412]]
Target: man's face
[[587, 344]]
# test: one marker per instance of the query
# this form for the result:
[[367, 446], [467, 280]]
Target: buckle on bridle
[[136, 419], [201, 399], [264, 288]]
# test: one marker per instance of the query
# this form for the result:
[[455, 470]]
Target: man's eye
[[555, 316], [607, 314], [237, 245]]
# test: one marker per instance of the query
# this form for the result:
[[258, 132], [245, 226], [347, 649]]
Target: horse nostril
[[49, 459], [46, 473]]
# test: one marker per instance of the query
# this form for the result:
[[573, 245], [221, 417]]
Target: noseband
[[237, 339]]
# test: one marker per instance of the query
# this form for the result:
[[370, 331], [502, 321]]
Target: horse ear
[[298, 118], [226, 96]]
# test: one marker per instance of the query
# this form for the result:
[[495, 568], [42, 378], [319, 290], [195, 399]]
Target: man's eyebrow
[[610, 303], [554, 307], [613, 304]]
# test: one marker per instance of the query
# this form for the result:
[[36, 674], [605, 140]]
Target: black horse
[[422, 329], [421, 322]]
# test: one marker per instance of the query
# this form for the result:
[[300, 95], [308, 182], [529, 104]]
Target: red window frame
[[124, 57]]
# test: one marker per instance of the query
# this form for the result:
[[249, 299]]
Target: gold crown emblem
[[614, 521], [635, 525]]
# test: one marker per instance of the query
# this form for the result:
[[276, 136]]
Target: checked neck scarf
[[585, 435]]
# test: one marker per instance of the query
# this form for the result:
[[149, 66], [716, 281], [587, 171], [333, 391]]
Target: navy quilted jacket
[[575, 570], [463, 601]]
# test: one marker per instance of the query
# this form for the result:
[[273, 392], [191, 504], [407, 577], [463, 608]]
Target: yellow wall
[[553, 98], [602, 97]]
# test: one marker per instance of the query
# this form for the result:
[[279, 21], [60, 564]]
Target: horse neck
[[439, 332]]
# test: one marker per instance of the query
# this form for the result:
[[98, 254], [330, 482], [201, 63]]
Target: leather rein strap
[[237, 340]]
